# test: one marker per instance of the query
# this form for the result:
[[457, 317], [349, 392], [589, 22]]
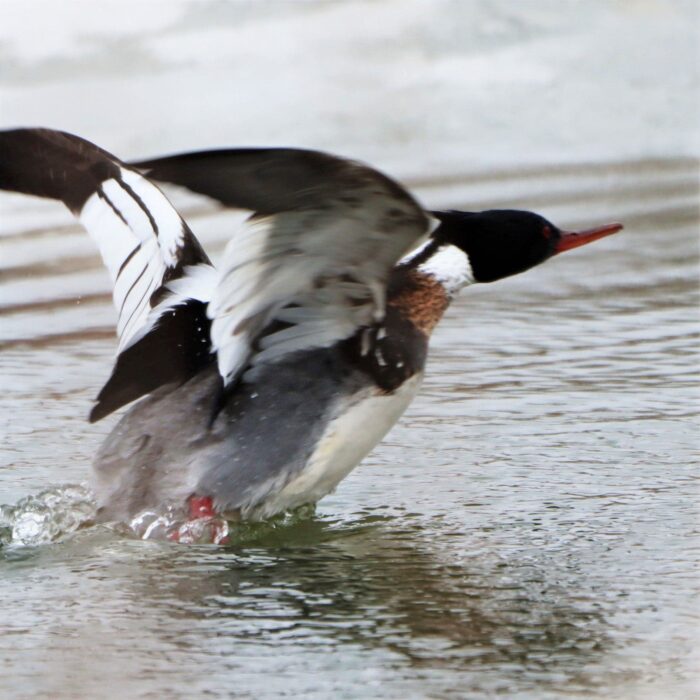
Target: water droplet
[[46, 517]]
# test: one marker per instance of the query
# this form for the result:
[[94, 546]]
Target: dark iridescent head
[[504, 242]]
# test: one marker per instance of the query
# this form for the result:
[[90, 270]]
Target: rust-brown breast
[[420, 299]]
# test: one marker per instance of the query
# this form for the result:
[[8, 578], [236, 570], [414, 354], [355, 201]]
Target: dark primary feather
[[264, 180], [53, 164], [175, 350]]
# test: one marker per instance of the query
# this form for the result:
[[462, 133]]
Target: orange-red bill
[[574, 239]]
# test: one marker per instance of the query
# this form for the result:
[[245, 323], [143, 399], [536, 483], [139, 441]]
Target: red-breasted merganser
[[264, 382]]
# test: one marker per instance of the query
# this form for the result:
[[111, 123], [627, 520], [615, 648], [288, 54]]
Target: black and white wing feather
[[162, 279], [310, 267]]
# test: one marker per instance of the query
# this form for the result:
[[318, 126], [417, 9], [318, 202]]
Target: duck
[[255, 387]]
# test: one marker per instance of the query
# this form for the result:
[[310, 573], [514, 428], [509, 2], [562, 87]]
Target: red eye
[[547, 232]]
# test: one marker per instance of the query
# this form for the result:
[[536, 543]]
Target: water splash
[[172, 524], [55, 513], [176, 525], [48, 516]]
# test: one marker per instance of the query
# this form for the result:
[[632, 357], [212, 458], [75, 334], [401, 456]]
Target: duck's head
[[490, 245]]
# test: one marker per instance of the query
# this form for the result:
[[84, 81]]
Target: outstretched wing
[[311, 266], [162, 279]]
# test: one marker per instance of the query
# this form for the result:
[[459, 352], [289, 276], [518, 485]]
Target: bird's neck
[[446, 264], [426, 281]]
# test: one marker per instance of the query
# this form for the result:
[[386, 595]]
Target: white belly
[[360, 424]]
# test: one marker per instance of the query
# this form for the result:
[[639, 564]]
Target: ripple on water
[[56, 513], [529, 529]]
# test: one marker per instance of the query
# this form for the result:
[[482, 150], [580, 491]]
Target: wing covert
[[310, 267]]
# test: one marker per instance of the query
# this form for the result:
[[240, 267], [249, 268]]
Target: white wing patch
[[198, 282], [320, 274], [261, 276], [139, 235], [233, 300]]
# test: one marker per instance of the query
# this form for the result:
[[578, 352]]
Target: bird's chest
[[358, 423]]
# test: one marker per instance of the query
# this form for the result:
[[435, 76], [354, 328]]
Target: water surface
[[529, 529]]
